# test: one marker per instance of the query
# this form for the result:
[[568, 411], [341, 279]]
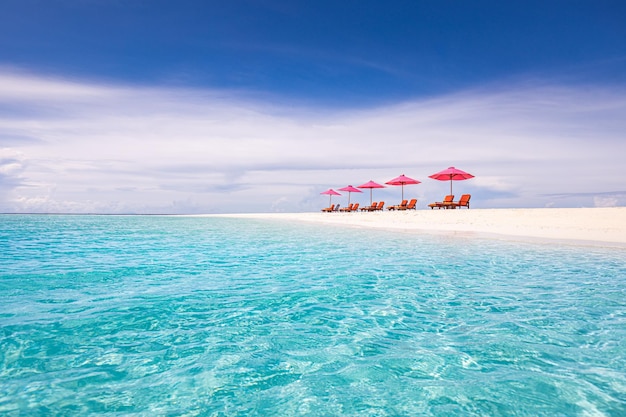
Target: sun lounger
[[410, 206], [355, 207], [447, 200], [463, 202], [329, 209], [400, 206], [349, 208], [370, 208]]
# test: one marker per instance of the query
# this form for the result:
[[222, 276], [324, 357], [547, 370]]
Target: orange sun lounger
[[349, 208], [399, 206], [369, 208], [463, 202], [374, 207], [410, 206], [447, 200]]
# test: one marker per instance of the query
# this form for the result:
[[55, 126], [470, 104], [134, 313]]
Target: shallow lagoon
[[139, 315]]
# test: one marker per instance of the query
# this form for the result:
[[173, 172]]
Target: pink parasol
[[451, 174], [401, 180], [371, 184], [350, 189], [330, 193]]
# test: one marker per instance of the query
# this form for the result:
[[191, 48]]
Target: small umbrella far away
[[371, 185], [451, 174], [402, 180], [350, 189], [330, 193]]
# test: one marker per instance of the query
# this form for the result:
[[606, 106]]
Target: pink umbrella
[[350, 189], [330, 193], [371, 184], [451, 174], [401, 180]]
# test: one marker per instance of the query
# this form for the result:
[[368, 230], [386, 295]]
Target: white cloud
[[11, 162], [601, 201], [88, 147]]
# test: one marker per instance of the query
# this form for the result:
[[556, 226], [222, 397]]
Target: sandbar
[[602, 225]]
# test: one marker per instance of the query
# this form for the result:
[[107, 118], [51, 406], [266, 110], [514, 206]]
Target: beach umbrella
[[402, 180], [371, 185], [350, 189], [451, 174], [330, 193]]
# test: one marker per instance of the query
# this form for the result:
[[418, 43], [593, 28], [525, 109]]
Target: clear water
[[174, 316]]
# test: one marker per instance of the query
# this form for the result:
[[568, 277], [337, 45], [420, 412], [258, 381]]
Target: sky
[[191, 106]]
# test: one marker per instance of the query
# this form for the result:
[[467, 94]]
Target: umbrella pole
[[402, 191]]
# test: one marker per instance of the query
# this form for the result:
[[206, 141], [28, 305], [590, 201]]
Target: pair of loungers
[[351, 207], [332, 208], [404, 205], [449, 203], [374, 207]]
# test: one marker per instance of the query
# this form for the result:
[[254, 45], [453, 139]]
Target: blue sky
[[203, 107]]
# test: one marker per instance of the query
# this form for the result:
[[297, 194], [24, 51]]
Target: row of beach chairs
[[376, 206], [447, 203]]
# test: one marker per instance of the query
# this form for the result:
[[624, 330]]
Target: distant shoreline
[[596, 226]]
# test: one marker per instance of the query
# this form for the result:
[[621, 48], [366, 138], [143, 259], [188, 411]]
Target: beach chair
[[355, 207], [370, 208], [329, 209], [463, 202], [337, 207], [447, 200], [380, 206], [349, 208], [410, 206], [400, 206]]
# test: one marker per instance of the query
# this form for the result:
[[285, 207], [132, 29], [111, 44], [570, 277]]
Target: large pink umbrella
[[401, 180], [330, 193], [451, 174], [371, 184], [350, 189]]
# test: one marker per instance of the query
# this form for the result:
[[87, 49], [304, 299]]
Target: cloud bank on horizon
[[82, 147], [82, 141]]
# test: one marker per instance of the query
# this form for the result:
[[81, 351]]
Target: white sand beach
[[604, 226]]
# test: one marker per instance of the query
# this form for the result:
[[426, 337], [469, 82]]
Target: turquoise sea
[[187, 316]]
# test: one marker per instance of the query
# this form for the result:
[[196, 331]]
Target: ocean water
[[184, 316]]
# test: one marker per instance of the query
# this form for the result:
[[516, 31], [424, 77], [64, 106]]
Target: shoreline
[[590, 226]]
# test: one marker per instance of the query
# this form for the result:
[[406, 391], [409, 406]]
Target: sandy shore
[[605, 226]]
